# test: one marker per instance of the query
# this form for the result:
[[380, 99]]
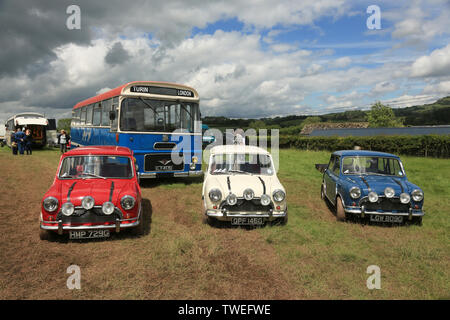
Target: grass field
[[181, 257]]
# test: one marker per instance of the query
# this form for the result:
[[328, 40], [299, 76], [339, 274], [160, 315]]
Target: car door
[[326, 176], [333, 177]]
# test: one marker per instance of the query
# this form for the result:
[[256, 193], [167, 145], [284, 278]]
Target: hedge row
[[425, 146]]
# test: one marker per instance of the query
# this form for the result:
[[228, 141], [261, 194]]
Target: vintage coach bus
[[36, 122], [158, 121]]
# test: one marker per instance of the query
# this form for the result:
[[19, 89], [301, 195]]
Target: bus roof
[[119, 90], [27, 114]]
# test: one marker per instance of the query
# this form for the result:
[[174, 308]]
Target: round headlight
[[417, 195], [405, 198], [231, 199], [265, 200], [87, 203], [389, 192], [278, 195], [249, 194], [127, 202], [355, 192], [67, 208], [215, 195], [373, 196], [50, 204], [108, 208]]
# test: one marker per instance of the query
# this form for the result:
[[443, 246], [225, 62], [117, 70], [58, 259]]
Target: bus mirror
[[112, 115]]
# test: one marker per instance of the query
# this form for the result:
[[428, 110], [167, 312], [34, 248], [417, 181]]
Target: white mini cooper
[[241, 186]]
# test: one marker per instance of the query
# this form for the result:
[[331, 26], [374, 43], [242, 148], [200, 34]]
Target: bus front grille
[[163, 162]]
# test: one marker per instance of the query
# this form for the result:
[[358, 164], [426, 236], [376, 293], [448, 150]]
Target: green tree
[[64, 124], [382, 116]]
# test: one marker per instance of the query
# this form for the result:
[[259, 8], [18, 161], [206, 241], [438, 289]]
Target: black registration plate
[[89, 234], [386, 218], [245, 221]]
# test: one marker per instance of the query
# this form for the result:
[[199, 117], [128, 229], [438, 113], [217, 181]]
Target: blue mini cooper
[[371, 185]]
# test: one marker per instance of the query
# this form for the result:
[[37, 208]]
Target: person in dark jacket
[[20, 136], [63, 141], [14, 142], [28, 141]]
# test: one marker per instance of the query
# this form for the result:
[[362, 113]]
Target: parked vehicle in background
[[144, 116], [241, 186], [52, 133], [370, 185], [36, 122], [95, 192], [206, 140], [2, 135]]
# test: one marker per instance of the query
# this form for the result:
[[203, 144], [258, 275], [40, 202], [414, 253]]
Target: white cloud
[[434, 65]]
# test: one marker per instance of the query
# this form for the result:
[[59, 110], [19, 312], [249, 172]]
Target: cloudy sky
[[245, 58]]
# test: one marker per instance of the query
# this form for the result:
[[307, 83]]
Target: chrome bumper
[[224, 214], [361, 211], [58, 225]]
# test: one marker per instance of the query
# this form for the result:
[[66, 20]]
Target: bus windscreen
[[148, 115]]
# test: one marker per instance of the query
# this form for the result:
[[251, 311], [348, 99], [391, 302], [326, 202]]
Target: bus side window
[[106, 107], [83, 116], [97, 114], [115, 108], [89, 112]]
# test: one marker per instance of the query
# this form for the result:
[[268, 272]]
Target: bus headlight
[[265, 200], [50, 204], [108, 208], [67, 208], [278, 195], [127, 202], [87, 203]]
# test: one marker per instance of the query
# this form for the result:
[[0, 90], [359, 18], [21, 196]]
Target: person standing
[[14, 142], [28, 141], [20, 136], [63, 140]]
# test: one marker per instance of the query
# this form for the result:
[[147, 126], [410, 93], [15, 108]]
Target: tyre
[[281, 221], [340, 212], [139, 229], [44, 234]]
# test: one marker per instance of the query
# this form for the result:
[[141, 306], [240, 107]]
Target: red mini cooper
[[95, 192]]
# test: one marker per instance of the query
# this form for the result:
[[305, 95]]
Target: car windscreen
[[84, 167], [372, 165], [234, 163]]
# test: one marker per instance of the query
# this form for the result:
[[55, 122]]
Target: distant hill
[[437, 113]]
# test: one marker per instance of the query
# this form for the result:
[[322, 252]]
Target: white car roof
[[233, 148]]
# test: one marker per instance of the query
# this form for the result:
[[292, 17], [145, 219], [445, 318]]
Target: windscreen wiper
[[92, 175]]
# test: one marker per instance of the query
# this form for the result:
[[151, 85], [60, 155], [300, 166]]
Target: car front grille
[[385, 205], [243, 205]]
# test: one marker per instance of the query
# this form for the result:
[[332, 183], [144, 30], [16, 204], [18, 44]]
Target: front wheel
[[44, 234], [340, 212]]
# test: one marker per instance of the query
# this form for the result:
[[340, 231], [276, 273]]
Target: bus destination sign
[[162, 91]]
